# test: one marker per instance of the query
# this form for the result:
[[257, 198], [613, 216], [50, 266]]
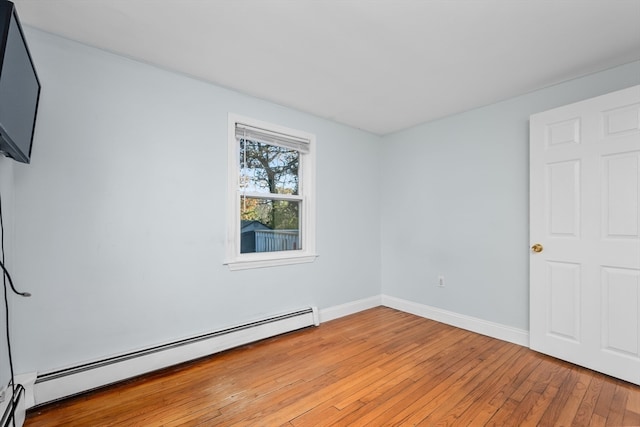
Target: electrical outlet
[[441, 281]]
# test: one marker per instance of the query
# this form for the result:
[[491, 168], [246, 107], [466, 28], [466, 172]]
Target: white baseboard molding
[[353, 307], [56, 385], [13, 411], [473, 324], [5, 394], [70, 381], [28, 381]]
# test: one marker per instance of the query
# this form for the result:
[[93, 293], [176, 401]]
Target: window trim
[[238, 261]]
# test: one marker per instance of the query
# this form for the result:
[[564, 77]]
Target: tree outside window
[[273, 192]]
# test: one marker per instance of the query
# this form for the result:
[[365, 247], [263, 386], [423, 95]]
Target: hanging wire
[[244, 179], [7, 277]]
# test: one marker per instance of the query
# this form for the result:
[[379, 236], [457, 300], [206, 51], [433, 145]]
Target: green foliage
[[269, 169]]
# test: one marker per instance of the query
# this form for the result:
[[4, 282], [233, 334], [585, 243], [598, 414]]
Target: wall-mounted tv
[[19, 88]]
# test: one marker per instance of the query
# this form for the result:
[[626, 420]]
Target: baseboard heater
[[14, 412], [70, 381]]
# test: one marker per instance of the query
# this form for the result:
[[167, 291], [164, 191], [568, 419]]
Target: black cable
[[6, 311], [6, 276], [6, 308]]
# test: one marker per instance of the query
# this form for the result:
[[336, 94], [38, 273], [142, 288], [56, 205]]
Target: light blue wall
[[120, 219], [121, 232], [456, 202], [6, 192]]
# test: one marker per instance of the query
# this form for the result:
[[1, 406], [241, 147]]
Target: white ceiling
[[378, 65]]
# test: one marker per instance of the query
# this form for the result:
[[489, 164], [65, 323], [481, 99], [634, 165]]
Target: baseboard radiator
[[67, 382], [14, 409]]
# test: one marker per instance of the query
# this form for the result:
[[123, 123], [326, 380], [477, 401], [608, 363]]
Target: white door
[[585, 225]]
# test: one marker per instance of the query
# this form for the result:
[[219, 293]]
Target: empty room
[[320, 213]]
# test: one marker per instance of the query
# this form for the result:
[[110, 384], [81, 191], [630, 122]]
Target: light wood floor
[[380, 367]]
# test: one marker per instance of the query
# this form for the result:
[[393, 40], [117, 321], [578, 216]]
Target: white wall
[[456, 202], [121, 231]]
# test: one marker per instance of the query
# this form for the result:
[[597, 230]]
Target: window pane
[[268, 168], [269, 225]]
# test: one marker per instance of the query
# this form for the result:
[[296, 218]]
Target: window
[[271, 219]]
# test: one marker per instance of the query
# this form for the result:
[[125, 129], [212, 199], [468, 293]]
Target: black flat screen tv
[[19, 88]]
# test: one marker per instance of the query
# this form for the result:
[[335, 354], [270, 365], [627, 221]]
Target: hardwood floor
[[380, 367]]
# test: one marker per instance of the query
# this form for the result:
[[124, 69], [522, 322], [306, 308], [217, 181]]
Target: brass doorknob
[[537, 248]]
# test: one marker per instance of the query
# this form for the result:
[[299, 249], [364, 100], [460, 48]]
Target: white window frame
[[240, 261]]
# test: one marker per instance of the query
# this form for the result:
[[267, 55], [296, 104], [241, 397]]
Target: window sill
[[245, 264]]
